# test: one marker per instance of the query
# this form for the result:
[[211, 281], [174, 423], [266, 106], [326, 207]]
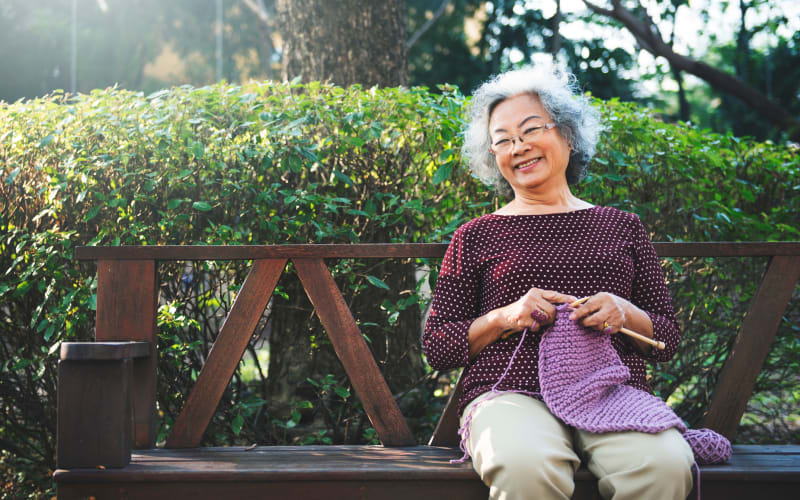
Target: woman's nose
[[519, 146]]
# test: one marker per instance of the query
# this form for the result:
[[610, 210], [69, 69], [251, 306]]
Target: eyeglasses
[[506, 144]]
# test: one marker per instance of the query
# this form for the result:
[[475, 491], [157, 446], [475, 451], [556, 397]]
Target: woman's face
[[539, 163]]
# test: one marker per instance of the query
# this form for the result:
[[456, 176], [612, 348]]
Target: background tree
[[439, 48], [345, 42], [509, 33], [648, 35]]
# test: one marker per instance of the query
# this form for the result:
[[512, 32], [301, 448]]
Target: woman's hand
[[608, 313], [603, 311], [533, 311]]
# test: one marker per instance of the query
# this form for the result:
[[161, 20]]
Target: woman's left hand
[[603, 311]]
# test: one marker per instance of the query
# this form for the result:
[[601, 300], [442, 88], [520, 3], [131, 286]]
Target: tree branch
[[425, 27], [649, 38], [259, 9]]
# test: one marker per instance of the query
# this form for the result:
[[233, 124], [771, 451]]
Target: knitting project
[[582, 382]]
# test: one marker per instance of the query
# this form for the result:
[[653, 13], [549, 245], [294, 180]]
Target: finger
[[604, 320], [549, 311], [539, 316], [556, 297], [594, 320], [586, 309]]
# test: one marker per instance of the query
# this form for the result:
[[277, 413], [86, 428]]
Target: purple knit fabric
[[583, 383]]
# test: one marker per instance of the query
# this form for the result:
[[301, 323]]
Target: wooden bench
[[107, 391]]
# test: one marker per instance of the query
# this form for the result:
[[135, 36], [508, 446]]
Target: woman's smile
[[528, 165]]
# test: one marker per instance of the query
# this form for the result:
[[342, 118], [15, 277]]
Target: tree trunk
[[684, 113], [344, 42], [556, 47]]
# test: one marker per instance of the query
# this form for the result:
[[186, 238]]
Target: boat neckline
[[540, 215]]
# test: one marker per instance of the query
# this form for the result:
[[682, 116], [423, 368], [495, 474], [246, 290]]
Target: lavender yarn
[[582, 383], [708, 446]]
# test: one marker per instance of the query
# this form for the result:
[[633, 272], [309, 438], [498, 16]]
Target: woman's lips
[[528, 164]]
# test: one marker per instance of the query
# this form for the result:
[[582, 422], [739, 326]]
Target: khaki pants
[[520, 450]]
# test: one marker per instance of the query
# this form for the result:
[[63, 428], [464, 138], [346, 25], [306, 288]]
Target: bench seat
[[364, 472]]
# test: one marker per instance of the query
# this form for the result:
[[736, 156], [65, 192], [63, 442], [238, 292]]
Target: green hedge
[[271, 163]]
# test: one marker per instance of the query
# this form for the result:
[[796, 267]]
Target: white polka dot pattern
[[495, 259]]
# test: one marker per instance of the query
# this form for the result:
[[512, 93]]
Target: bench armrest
[[95, 414]]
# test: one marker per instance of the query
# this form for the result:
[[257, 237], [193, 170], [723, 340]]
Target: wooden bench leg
[[94, 413]]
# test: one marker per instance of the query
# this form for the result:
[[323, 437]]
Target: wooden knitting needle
[[631, 333]]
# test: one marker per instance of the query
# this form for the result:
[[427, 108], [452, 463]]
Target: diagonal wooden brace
[[352, 350], [226, 353], [744, 363]]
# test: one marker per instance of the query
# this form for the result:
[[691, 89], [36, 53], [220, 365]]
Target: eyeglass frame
[[537, 131]]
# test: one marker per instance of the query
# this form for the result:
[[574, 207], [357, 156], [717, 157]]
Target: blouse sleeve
[[650, 293], [454, 307]]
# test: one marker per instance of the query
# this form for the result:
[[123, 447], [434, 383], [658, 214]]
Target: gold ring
[[605, 324]]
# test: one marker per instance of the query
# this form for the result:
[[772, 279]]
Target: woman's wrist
[[497, 322]]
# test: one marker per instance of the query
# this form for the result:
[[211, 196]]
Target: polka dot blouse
[[495, 259]]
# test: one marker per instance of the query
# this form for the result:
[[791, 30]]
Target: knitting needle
[[631, 333]]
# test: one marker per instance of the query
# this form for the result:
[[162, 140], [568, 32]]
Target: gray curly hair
[[558, 91]]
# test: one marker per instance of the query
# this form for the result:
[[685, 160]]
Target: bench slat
[[375, 472], [352, 351], [397, 250], [224, 356]]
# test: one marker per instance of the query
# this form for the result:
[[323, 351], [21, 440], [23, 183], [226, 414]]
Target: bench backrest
[[127, 303]]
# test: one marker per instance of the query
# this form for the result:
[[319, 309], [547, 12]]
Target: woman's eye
[[531, 130], [501, 142]]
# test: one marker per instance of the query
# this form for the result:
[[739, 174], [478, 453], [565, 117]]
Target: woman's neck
[[527, 203]]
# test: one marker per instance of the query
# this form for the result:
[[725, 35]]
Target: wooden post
[[94, 414], [94, 402], [127, 308]]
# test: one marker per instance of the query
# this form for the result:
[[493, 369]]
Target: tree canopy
[[666, 54]]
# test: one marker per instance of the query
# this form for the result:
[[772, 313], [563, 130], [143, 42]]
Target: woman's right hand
[[534, 310]]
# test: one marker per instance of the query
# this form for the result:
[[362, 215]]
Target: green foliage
[[262, 164], [272, 163]]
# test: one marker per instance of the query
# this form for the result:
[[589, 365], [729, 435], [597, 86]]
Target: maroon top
[[494, 260]]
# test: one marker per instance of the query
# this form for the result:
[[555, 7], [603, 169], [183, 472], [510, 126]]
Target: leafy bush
[[270, 163]]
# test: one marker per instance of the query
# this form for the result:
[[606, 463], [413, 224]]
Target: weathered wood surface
[[98, 351], [224, 356], [94, 413], [376, 472], [744, 362], [127, 309], [352, 351], [394, 250]]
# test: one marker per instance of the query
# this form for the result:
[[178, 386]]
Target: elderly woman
[[532, 135]]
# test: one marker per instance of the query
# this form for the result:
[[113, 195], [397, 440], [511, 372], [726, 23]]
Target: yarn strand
[[463, 432]]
